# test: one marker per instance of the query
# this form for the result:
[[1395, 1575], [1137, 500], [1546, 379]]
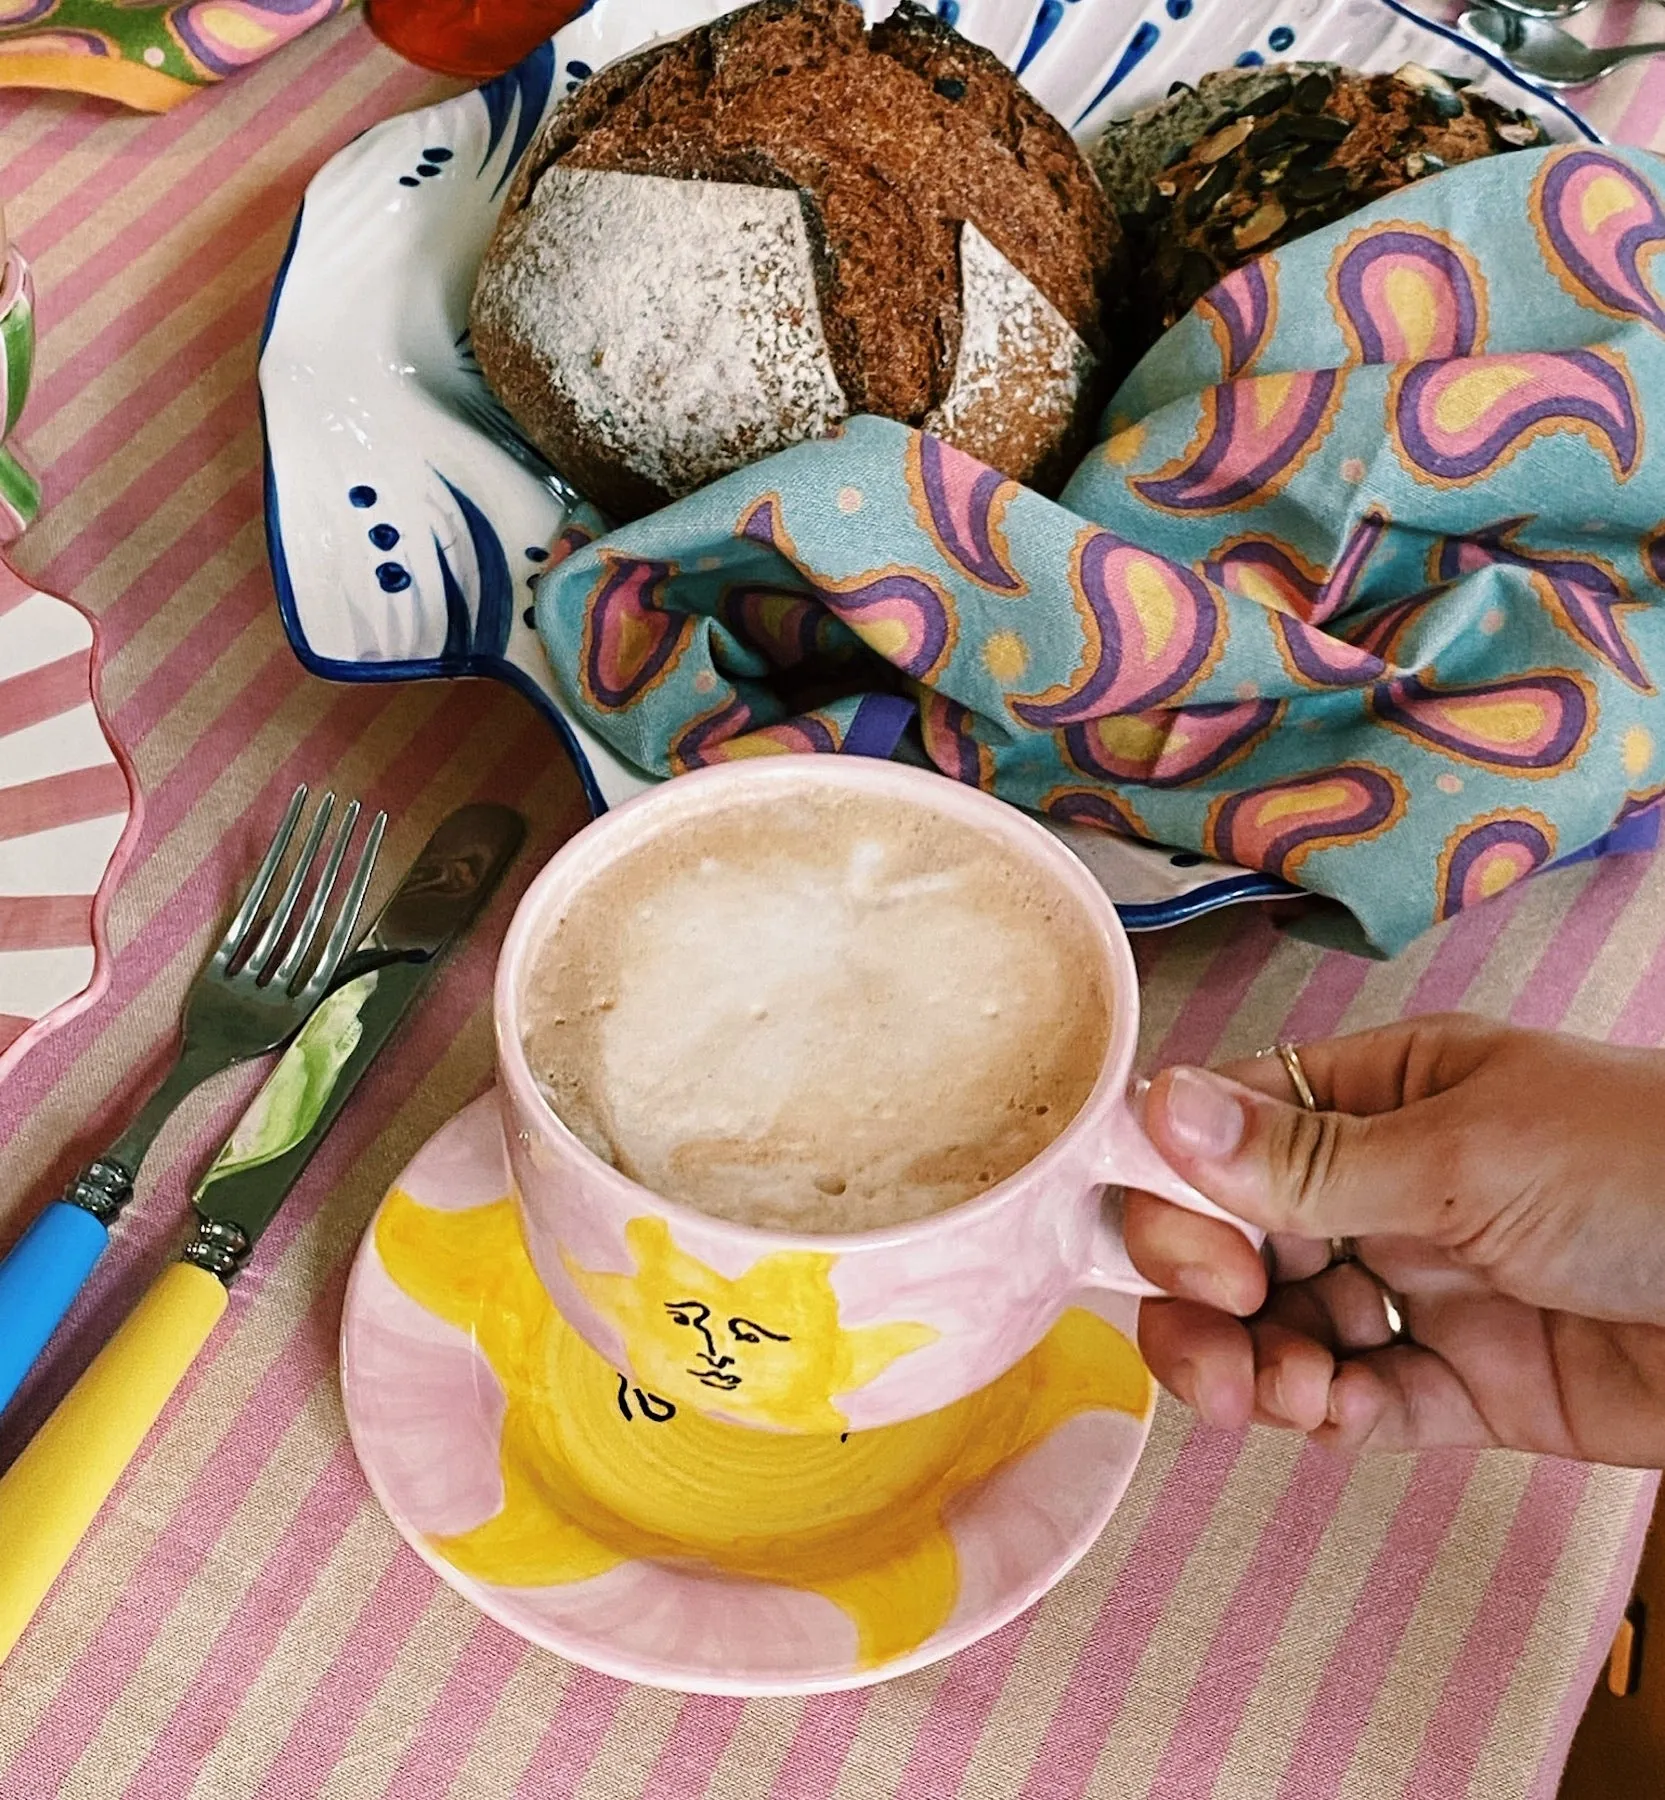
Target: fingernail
[[1196, 1281], [1203, 1116], [1283, 1399]]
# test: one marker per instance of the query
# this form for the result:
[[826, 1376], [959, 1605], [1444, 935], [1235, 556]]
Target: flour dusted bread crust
[[725, 244]]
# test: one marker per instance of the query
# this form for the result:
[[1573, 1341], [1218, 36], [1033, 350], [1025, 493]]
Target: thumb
[[1316, 1174]]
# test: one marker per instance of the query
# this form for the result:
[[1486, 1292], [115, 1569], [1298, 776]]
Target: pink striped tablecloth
[[1259, 1620]]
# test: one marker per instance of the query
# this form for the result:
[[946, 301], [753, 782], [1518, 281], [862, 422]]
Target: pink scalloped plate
[[70, 813]]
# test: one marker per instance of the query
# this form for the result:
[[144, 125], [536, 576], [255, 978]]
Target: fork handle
[[65, 1473], [39, 1279]]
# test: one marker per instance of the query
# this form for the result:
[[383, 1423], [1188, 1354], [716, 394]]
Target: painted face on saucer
[[764, 1347]]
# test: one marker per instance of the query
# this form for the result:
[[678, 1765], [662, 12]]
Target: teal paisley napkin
[[1363, 586]]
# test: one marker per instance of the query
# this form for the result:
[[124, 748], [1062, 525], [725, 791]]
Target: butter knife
[[53, 1491]]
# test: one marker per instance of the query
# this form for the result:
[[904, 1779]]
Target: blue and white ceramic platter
[[406, 520]]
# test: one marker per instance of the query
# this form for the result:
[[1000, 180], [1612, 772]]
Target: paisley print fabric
[[1599, 227], [1489, 854], [1362, 587], [146, 55]]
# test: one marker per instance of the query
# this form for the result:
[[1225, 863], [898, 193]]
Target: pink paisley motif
[[725, 734], [1254, 434], [961, 503], [787, 629], [1600, 227], [950, 741], [1092, 806], [1584, 595], [1275, 574], [573, 539], [1380, 632], [1242, 312], [810, 734], [1169, 747], [1343, 581], [1406, 293], [1268, 571], [1456, 422], [1317, 660], [630, 642], [25, 12], [700, 742], [1149, 630], [1535, 724], [219, 37], [1488, 854], [901, 613], [1278, 825]]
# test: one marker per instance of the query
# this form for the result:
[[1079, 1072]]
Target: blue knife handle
[[47, 1268]]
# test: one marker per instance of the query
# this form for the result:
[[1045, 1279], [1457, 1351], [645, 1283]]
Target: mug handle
[[1132, 1160]]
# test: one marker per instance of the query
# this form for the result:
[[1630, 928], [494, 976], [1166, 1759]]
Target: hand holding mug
[[1507, 1185]]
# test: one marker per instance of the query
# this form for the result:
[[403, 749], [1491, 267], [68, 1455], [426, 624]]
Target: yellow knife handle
[[66, 1472]]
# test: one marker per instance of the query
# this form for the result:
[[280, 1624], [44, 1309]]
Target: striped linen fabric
[[1260, 1620]]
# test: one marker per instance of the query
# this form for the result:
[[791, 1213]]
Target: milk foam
[[823, 1013]]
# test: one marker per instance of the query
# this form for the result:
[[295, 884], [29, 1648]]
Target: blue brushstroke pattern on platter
[[405, 515]]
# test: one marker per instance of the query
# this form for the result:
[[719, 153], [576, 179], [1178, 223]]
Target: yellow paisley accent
[[1411, 299], [1473, 394], [1132, 736], [1301, 802], [1498, 721], [1152, 596], [1637, 749], [753, 743], [1255, 584], [1602, 199], [230, 25], [591, 1481], [1268, 393], [888, 636]]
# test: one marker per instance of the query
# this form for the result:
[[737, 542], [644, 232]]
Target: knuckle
[[1306, 1152]]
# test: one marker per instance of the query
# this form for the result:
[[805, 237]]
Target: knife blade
[[271, 1144]]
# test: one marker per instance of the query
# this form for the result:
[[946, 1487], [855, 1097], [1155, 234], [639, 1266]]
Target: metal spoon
[[1544, 52]]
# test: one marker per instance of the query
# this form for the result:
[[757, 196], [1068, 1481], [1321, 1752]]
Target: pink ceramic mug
[[825, 1333]]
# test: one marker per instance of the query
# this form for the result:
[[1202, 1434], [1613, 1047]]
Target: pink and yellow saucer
[[658, 1545]]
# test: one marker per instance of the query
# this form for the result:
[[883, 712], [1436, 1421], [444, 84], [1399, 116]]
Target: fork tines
[[278, 955]]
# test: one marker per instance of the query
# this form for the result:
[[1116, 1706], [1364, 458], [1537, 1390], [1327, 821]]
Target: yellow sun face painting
[[765, 1348], [597, 1472]]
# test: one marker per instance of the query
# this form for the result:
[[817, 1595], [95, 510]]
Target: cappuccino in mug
[[823, 1011]]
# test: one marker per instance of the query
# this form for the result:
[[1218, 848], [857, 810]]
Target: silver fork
[[252, 994]]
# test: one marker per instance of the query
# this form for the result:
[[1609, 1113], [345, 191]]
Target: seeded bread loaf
[[1252, 159], [729, 242]]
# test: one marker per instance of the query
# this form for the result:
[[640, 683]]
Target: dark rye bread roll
[[1252, 159], [884, 221]]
